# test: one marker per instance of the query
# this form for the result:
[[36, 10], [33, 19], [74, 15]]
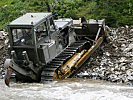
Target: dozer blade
[[72, 53], [68, 67], [8, 74], [9, 71], [71, 66]]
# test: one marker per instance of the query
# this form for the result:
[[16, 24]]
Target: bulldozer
[[42, 49]]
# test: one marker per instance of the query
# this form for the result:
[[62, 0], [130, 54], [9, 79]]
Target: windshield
[[22, 37]]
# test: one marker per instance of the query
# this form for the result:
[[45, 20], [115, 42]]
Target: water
[[74, 89]]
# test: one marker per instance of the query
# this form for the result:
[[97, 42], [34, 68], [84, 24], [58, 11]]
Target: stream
[[71, 89]]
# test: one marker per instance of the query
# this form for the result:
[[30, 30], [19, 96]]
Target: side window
[[17, 34], [41, 31], [51, 24]]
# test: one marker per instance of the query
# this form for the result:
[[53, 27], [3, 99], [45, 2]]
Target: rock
[[130, 77], [116, 65], [110, 63], [122, 64], [102, 74], [122, 59], [1, 35], [123, 45], [112, 69], [4, 33], [107, 53], [85, 73], [130, 47], [131, 31], [126, 26], [129, 72], [113, 77], [123, 68], [1, 46], [128, 54], [131, 65], [1, 74], [6, 41], [129, 83], [108, 28], [113, 45], [117, 73], [109, 39]]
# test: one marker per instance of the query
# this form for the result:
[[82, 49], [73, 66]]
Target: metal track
[[62, 58]]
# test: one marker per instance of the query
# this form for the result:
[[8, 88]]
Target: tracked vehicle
[[43, 49]]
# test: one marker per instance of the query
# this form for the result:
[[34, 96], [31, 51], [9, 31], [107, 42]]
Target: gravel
[[3, 50], [113, 61]]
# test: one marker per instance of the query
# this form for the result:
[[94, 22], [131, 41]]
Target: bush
[[115, 12]]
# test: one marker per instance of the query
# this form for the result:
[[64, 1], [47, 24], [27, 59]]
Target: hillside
[[116, 13]]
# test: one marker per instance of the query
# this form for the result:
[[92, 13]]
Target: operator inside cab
[[22, 36]]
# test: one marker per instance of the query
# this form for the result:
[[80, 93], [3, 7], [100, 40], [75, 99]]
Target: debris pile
[[114, 60], [3, 50]]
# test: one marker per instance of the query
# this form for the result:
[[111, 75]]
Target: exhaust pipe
[[26, 58]]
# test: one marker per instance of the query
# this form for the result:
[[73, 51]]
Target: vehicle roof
[[30, 19]]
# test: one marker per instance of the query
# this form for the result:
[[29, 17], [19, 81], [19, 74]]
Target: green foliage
[[87, 10], [10, 12], [68, 8], [115, 12]]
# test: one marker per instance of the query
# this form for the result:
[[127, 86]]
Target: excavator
[[42, 49]]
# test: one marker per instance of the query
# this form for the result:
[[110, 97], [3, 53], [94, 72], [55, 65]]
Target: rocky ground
[[114, 60], [3, 50]]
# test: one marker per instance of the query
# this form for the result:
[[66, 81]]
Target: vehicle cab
[[36, 34]]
